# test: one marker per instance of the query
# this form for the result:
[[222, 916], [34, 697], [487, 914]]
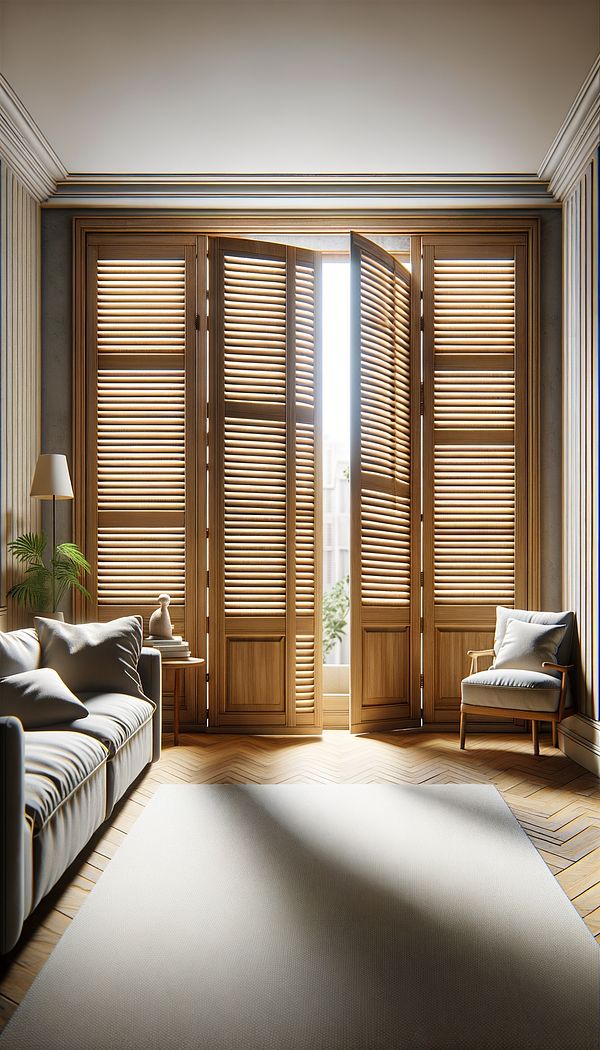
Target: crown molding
[[576, 140], [240, 191], [25, 149]]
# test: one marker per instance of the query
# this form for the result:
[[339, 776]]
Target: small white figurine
[[160, 625]]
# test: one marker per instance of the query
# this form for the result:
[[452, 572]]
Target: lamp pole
[[53, 552]]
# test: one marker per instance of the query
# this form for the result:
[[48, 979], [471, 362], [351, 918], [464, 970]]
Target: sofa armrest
[[12, 816], [151, 677]]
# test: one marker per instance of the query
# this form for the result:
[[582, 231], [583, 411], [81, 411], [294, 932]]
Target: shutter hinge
[[207, 677], [422, 399], [422, 323], [207, 531], [422, 578], [207, 579], [421, 683], [422, 714], [207, 624], [197, 322], [421, 625]]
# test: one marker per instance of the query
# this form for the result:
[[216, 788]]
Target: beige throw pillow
[[94, 657], [39, 698], [526, 646], [19, 651]]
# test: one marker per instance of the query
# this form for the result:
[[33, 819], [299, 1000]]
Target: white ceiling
[[408, 86]]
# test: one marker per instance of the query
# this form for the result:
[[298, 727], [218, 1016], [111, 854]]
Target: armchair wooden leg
[[463, 729], [535, 736], [554, 734]]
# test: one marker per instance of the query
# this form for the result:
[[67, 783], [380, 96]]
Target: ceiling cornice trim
[[25, 149], [577, 138], [302, 191]]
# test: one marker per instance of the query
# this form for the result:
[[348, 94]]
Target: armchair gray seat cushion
[[56, 764], [517, 689]]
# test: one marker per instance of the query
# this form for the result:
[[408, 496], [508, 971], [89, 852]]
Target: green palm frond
[[44, 585], [29, 547], [71, 552], [34, 590], [67, 576]]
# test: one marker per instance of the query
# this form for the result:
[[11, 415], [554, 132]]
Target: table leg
[[176, 698]]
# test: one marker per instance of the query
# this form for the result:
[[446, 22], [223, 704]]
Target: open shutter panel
[[474, 455], [265, 632], [142, 395], [385, 642]]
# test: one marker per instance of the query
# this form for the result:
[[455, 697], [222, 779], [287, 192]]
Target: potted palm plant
[[46, 581]]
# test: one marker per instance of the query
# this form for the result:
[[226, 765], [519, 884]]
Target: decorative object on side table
[[45, 584], [160, 633], [159, 625], [175, 652]]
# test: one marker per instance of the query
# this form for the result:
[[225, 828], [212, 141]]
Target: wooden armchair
[[521, 692]]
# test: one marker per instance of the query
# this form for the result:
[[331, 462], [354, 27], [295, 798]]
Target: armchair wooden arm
[[475, 654], [564, 671]]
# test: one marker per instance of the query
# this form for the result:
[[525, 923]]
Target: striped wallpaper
[[20, 386]]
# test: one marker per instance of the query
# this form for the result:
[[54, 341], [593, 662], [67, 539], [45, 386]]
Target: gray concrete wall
[[57, 374]]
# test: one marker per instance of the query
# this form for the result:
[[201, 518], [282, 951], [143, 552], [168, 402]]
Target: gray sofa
[[58, 785]]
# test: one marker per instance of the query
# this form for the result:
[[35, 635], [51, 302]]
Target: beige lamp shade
[[51, 478]]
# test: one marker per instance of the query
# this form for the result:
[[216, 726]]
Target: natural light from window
[[336, 459]]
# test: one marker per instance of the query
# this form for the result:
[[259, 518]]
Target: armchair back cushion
[[503, 615], [526, 646]]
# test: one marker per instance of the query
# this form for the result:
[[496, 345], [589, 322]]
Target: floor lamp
[[52, 480]]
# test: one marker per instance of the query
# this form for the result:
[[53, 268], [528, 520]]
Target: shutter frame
[[271, 631], [380, 630], [459, 614], [119, 368]]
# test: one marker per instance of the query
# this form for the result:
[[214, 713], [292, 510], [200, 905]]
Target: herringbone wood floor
[[556, 802]]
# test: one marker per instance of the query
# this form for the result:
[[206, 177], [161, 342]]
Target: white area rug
[[297, 917]]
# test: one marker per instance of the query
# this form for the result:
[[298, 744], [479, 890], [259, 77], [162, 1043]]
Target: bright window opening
[[336, 460]]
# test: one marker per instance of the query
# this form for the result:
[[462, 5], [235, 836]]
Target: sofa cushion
[[113, 718], [528, 645], [94, 657], [39, 698], [19, 651], [56, 764], [503, 615], [520, 690]]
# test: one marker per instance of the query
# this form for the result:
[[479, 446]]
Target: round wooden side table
[[179, 667]]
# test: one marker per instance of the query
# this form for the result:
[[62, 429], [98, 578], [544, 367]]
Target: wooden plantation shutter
[[475, 453], [264, 464], [385, 639], [141, 415]]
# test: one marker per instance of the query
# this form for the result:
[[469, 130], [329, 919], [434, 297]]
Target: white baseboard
[[579, 739]]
